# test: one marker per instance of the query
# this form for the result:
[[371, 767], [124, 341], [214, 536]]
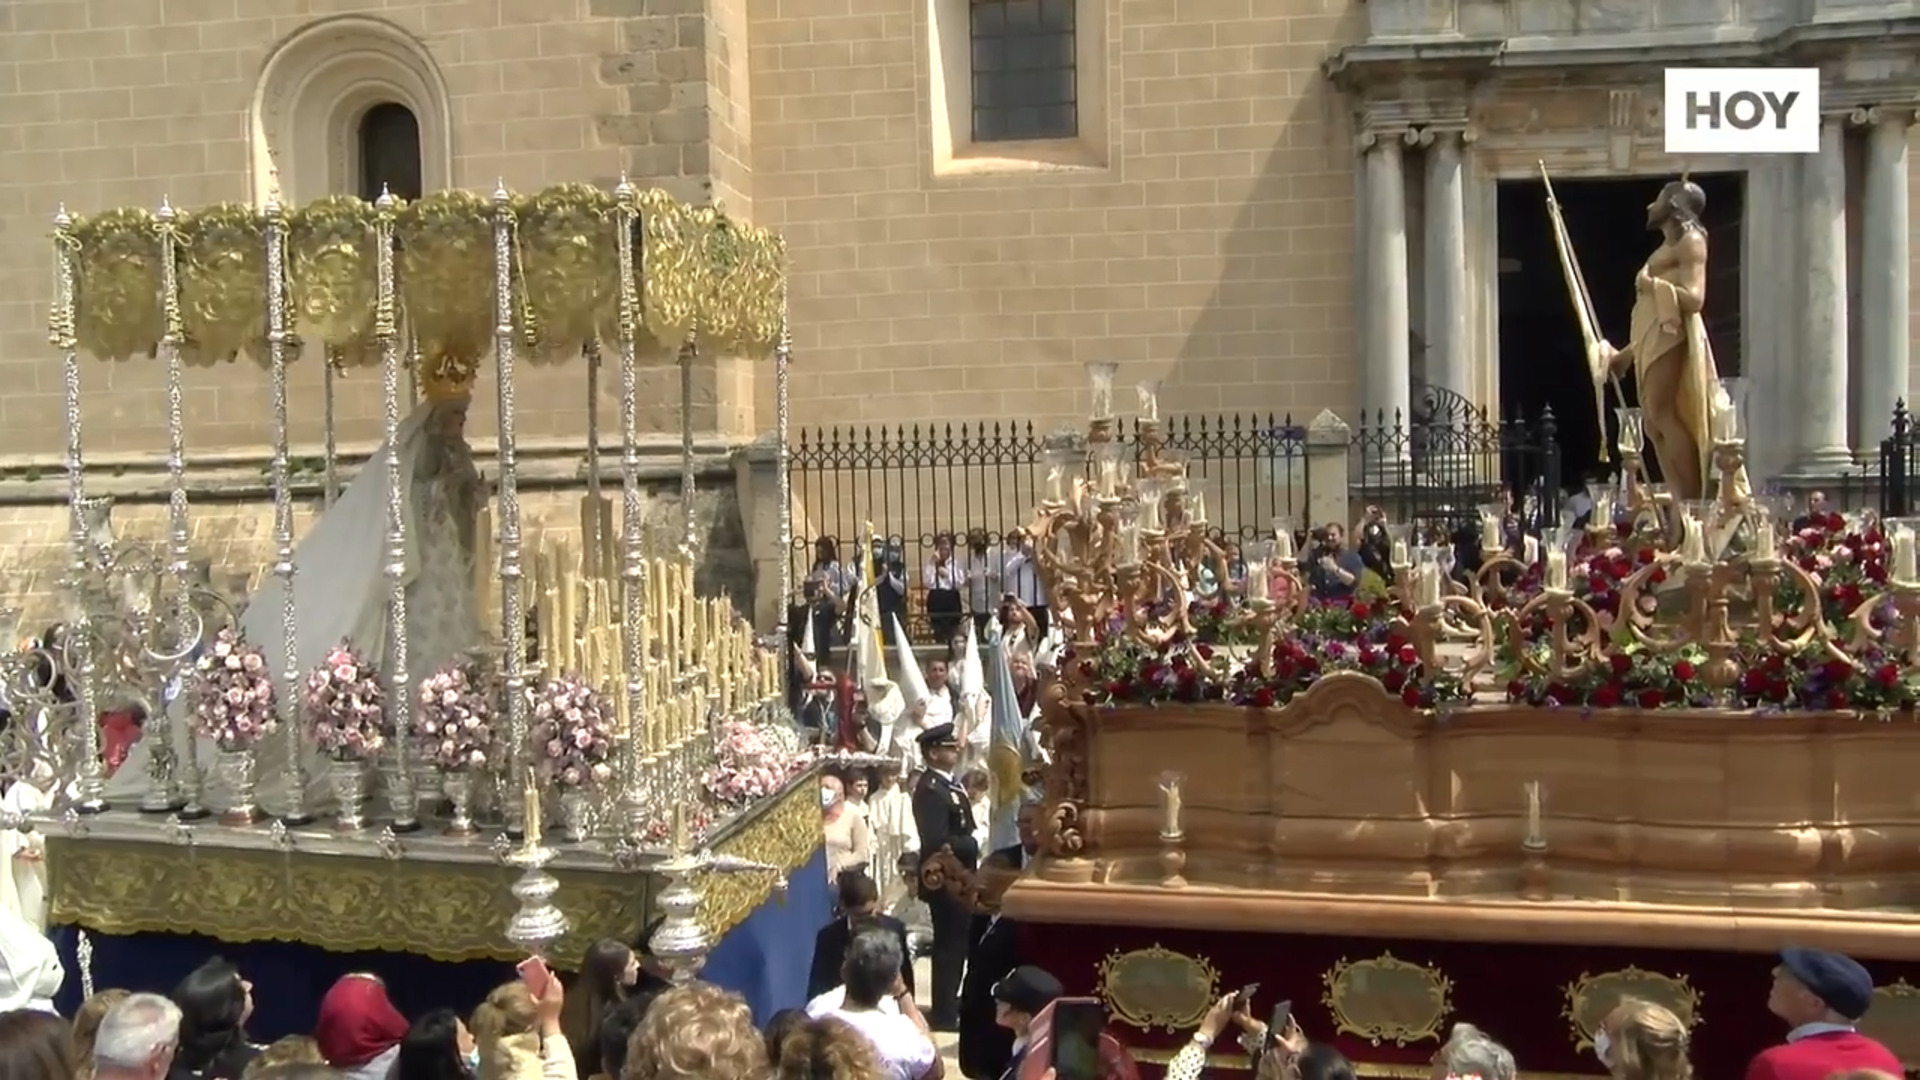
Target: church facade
[[1277, 207]]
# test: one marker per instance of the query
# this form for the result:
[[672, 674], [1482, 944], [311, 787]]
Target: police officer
[[943, 814]]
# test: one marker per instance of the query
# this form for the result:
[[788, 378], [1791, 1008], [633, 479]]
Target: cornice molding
[[1377, 64]]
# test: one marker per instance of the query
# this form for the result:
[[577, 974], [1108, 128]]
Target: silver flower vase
[[458, 786], [576, 815], [237, 772], [349, 780]]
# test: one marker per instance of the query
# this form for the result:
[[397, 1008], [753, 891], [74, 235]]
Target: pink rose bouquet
[[455, 725], [345, 706], [750, 764], [231, 694], [572, 732]]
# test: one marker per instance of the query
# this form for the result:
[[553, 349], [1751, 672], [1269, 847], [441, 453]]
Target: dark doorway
[[389, 142], [1542, 359]]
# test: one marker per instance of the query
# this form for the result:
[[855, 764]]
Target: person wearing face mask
[[849, 840], [1643, 1041]]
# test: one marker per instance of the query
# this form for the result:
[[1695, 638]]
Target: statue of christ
[[341, 587]]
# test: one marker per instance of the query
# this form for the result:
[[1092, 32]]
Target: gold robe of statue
[[1663, 331]]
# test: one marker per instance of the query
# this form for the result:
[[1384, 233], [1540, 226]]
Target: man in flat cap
[[1821, 995], [943, 815], [1017, 999]]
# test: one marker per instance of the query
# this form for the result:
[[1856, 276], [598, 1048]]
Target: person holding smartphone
[[1279, 1054]]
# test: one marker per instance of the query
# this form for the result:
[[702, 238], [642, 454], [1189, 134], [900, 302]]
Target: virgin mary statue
[[341, 589]]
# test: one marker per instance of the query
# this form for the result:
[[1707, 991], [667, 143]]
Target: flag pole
[[1583, 313]]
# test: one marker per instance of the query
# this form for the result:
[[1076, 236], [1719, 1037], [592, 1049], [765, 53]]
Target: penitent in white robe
[[341, 589], [23, 887]]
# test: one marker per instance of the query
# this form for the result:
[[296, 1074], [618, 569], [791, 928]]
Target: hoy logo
[[1743, 111]]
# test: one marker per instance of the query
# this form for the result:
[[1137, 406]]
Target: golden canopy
[[699, 275]]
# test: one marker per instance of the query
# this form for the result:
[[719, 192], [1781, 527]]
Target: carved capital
[[1895, 114], [1440, 130]]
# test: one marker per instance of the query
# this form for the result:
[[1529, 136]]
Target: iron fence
[[1438, 466], [916, 482], [1899, 465]]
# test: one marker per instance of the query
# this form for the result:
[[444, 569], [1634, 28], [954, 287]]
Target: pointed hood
[[1046, 653], [973, 676], [913, 682], [803, 653]]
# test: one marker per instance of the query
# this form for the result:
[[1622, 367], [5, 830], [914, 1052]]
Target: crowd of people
[[619, 1018]]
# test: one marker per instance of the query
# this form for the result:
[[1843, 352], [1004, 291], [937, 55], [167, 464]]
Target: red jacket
[[1817, 1057]]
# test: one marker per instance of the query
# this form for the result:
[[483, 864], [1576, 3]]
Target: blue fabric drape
[[765, 959]]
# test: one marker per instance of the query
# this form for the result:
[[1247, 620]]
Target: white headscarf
[[30, 968]]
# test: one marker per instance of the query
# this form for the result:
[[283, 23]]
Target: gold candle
[[686, 591], [609, 543], [590, 538], [614, 640], [679, 835], [485, 572], [532, 808]]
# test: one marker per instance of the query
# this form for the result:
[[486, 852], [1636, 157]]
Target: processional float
[[630, 675], [1680, 725]]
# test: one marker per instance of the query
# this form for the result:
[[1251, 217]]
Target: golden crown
[[447, 378]]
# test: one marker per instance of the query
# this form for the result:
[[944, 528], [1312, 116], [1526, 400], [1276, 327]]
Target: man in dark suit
[[859, 908], [943, 815], [986, 1045]]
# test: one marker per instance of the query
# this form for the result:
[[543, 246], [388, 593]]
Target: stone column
[[1821, 412], [1883, 273], [1382, 314], [1446, 263]]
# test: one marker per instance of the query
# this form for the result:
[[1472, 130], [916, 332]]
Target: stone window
[[346, 104], [388, 138], [1023, 70]]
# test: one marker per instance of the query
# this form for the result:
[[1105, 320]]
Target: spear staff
[[1583, 313]]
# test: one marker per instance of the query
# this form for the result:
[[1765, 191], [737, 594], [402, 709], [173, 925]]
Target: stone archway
[[315, 88]]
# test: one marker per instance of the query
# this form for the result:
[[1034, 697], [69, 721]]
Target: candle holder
[[539, 922], [1173, 860], [681, 943], [1100, 374], [1536, 877]]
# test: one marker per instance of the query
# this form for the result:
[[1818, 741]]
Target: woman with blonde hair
[[697, 1032], [519, 1036], [86, 1026], [827, 1049], [1643, 1041]]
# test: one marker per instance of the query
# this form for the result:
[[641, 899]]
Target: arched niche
[[316, 88]]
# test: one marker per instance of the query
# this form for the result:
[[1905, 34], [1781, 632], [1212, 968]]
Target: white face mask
[[827, 797], [1603, 1048]]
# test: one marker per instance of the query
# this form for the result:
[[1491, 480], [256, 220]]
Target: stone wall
[[108, 103], [1200, 226]]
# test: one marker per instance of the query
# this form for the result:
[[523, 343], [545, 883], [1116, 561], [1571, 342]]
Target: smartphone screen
[[535, 973], [1282, 1016], [1243, 998], [1076, 1039]]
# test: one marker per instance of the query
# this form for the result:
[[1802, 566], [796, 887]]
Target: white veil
[[340, 593]]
